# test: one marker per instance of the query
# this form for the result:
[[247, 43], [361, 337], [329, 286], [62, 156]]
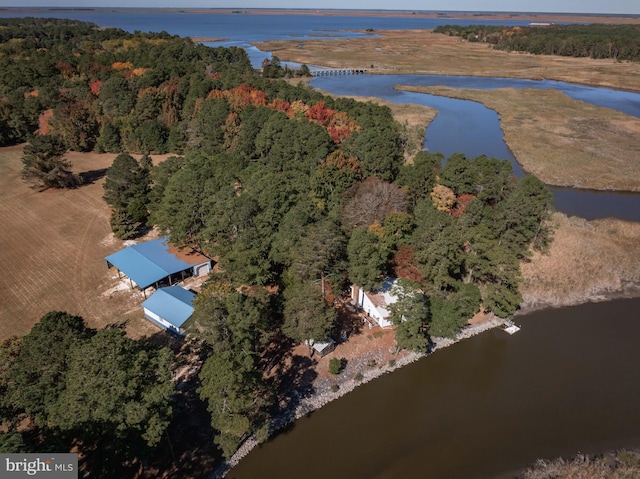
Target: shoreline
[[325, 395], [538, 17]]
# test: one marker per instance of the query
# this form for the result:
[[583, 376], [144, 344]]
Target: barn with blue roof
[[170, 308], [156, 262]]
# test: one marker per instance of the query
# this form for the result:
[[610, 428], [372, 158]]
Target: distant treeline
[[620, 42]]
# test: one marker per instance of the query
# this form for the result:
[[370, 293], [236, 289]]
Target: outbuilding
[[170, 308], [156, 262]]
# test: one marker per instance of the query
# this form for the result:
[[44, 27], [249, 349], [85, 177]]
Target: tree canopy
[[83, 387]]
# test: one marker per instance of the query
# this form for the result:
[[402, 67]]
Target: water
[[461, 126], [567, 382], [471, 128], [483, 408]]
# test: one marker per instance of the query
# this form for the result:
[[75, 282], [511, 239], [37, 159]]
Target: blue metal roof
[[147, 263], [173, 304]]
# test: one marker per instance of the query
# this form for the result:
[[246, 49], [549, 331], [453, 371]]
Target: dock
[[510, 327]]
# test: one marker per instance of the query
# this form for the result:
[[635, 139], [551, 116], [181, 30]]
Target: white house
[[376, 303]]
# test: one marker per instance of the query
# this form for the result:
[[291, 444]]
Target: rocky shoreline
[[324, 393]]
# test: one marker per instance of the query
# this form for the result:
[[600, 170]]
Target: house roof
[[383, 297], [173, 304], [149, 262]]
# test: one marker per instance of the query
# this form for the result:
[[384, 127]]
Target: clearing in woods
[[52, 249]]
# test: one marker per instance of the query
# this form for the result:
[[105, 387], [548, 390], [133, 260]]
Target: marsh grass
[[587, 260], [425, 52], [620, 465], [562, 141]]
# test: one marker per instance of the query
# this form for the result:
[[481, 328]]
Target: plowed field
[[52, 249]]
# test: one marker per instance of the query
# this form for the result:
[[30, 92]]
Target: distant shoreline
[[537, 17]]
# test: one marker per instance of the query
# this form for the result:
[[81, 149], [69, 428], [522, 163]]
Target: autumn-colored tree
[[443, 198], [372, 200], [461, 204]]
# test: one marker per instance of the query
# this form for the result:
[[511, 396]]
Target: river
[[483, 408], [492, 404]]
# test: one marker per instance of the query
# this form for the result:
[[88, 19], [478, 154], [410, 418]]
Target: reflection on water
[[490, 405]]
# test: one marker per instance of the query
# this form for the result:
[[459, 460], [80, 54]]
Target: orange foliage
[[280, 105], [121, 65], [245, 95], [338, 123], [341, 126], [341, 161], [34, 93], [298, 109], [216, 95], [443, 198], [65, 69], [138, 72], [319, 114], [43, 121], [377, 229]]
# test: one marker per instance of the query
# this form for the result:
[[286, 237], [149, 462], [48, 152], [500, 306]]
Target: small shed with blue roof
[[170, 308], [156, 262]]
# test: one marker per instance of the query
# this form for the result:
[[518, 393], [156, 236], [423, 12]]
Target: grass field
[[562, 141], [52, 249]]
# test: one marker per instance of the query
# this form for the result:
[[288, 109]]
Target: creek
[[469, 127], [492, 404]]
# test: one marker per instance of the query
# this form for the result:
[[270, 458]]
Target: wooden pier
[[338, 72]]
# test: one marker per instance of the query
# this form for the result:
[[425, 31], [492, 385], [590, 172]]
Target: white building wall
[[157, 318], [201, 269]]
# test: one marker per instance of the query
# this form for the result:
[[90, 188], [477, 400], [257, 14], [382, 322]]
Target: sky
[[569, 6]]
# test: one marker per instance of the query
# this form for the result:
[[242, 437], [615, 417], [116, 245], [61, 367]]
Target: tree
[[459, 174], [37, 376], [410, 314], [367, 259], [117, 387], [372, 200], [321, 251], [438, 246], [44, 165], [109, 139], [419, 177], [236, 397], [446, 317], [306, 314], [76, 124], [522, 218], [126, 190]]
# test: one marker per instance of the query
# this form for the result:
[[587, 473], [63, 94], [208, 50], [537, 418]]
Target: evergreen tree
[[367, 259], [410, 314], [44, 165], [306, 314]]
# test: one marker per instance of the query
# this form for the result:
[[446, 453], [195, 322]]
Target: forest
[[618, 42], [292, 192]]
